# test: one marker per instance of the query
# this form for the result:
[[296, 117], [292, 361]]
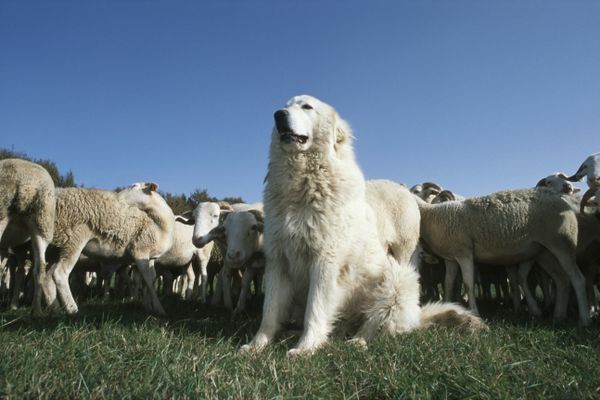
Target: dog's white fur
[[321, 241]]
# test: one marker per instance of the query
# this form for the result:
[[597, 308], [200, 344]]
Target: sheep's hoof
[[72, 311], [36, 313]]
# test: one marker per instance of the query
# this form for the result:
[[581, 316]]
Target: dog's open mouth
[[289, 137]]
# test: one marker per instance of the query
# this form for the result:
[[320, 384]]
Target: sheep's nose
[[234, 255], [197, 241], [281, 119]]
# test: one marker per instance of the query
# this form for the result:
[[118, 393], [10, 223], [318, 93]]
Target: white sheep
[[426, 191], [204, 218], [182, 255], [242, 233], [133, 225], [27, 205], [590, 168], [505, 228], [559, 183]]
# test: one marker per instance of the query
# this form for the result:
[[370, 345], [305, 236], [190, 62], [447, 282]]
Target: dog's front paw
[[358, 342], [297, 352]]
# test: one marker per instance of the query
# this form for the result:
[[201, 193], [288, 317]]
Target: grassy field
[[118, 351]]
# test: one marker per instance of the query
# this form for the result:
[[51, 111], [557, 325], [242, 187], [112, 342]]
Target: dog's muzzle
[[286, 133]]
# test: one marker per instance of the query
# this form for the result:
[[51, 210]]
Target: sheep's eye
[[307, 107]]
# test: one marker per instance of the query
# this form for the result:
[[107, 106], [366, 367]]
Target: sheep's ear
[[562, 176], [186, 221], [223, 205], [579, 174], [258, 215], [152, 186], [186, 218], [576, 190], [541, 183]]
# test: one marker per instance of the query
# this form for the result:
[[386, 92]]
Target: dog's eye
[[307, 107]]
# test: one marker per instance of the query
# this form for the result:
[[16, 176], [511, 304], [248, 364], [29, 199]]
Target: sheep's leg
[[204, 280], [145, 268], [278, 297], [218, 292], [590, 275], [513, 280], [532, 304], [227, 280], [61, 277], [449, 279], [246, 282], [167, 278], [18, 278], [324, 298], [39, 246], [567, 263], [190, 277], [467, 268]]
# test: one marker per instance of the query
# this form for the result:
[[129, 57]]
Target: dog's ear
[[343, 133]]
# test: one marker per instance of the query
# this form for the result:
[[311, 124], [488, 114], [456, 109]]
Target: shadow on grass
[[182, 317], [217, 322]]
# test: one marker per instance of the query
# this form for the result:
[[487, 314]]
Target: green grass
[[118, 351]]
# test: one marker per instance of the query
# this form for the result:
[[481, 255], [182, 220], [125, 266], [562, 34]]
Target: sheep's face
[[206, 216], [558, 183], [243, 233], [306, 123]]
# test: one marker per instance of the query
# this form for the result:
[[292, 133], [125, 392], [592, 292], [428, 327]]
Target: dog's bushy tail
[[450, 314], [393, 307]]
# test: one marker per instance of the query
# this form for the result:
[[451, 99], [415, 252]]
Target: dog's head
[[306, 123]]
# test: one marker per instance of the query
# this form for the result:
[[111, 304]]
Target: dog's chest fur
[[309, 205]]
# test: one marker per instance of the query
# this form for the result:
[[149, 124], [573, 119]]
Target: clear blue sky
[[476, 95]]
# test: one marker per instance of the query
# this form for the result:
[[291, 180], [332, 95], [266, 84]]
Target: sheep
[[204, 218], [591, 169], [559, 183], [426, 191], [505, 228], [27, 205], [135, 224], [182, 254], [242, 233]]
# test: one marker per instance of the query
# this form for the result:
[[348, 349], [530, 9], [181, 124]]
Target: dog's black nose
[[281, 119]]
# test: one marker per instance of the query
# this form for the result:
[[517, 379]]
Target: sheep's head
[[559, 183], [243, 232], [308, 123], [590, 168], [143, 195], [427, 191]]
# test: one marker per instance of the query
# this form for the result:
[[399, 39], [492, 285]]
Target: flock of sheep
[[105, 232]]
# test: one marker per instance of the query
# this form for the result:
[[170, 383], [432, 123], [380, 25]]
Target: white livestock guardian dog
[[324, 256]]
